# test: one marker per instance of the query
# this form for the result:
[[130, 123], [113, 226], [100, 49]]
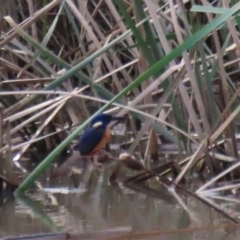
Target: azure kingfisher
[[97, 135]]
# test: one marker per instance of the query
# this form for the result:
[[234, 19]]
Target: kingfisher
[[97, 135]]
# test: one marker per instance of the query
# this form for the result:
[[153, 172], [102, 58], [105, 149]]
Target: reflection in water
[[139, 207]]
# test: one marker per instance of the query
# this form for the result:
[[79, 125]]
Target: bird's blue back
[[94, 134], [90, 139]]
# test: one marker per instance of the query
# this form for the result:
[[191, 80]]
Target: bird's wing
[[90, 139]]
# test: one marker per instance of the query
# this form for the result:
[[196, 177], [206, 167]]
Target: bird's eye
[[97, 124]]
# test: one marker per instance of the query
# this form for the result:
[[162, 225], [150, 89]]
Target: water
[[145, 211]]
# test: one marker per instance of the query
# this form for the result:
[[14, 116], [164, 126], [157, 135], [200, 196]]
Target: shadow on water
[[143, 211]]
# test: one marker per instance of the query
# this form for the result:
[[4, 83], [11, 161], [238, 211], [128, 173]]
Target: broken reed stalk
[[213, 180], [223, 188], [159, 170], [154, 172], [168, 182], [203, 201], [149, 173]]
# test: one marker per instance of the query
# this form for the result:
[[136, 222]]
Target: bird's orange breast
[[105, 140]]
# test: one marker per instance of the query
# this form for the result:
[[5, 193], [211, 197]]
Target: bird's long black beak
[[118, 118]]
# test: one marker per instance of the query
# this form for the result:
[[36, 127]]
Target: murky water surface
[[149, 210]]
